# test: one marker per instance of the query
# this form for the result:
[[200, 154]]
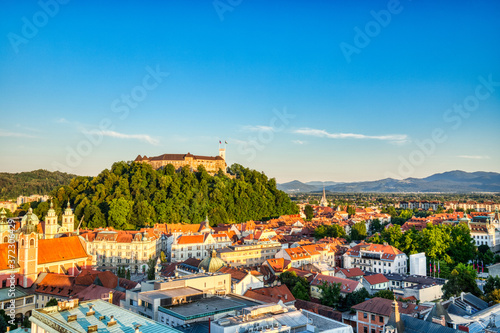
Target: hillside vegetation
[[40, 181], [132, 195]]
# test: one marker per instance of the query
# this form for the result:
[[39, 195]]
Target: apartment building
[[251, 255], [112, 248], [197, 246], [377, 258]]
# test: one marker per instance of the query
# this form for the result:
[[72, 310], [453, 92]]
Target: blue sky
[[300, 90]]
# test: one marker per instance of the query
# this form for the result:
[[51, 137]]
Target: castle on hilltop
[[211, 163]]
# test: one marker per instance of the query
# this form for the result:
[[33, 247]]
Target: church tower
[[27, 258], [323, 202], [4, 222], [68, 221], [51, 226]]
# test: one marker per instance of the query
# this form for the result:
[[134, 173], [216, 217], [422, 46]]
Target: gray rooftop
[[171, 293], [321, 322], [203, 307], [4, 293], [126, 321]]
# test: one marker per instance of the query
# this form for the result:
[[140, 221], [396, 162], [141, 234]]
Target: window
[[365, 329], [365, 315], [373, 317], [372, 330], [381, 319]]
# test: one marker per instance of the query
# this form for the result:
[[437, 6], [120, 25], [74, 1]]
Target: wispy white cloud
[[475, 157], [4, 133], [396, 138], [140, 137], [61, 120], [258, 128], [298, 142]]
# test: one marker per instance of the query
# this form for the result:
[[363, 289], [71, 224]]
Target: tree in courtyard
[[387, 294], [309, 212], [358, 231], [352, 299], [52, 302], [491, 284], [151, 269], [296, 284], [462, 279], [330, 294], [376, 226], [300, 291]]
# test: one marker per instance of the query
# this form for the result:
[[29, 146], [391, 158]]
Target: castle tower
[[222, 153], [4, 223], [68, 219], [51, 226], [28, 258]]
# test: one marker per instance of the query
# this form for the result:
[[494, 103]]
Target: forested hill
[[134, 195], [40, 181]]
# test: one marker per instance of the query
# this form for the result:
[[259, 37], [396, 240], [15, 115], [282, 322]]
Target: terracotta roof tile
[[375, 279], [60, 249], [191, 239]]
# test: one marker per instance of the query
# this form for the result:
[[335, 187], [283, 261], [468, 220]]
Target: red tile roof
[[190, 239], [375, 279], [352, 272], [347, 286], [60, 249], [322, 310], [271, 294], [4, 255], [382, 306]]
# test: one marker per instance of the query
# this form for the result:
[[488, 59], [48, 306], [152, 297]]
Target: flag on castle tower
[[225, 142], [220, 142]]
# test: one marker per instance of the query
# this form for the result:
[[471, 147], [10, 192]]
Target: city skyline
[[314, 92]]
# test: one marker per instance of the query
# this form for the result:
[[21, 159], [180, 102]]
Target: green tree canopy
[[309, 212], [358, 231], [333, 230], [133, 195], [330, 294], [462, 279], [387, 294]]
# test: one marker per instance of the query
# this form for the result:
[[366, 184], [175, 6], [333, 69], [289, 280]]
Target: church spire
[[323, 201]]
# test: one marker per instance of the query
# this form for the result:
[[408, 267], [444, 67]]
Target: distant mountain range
[[449, 182]]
